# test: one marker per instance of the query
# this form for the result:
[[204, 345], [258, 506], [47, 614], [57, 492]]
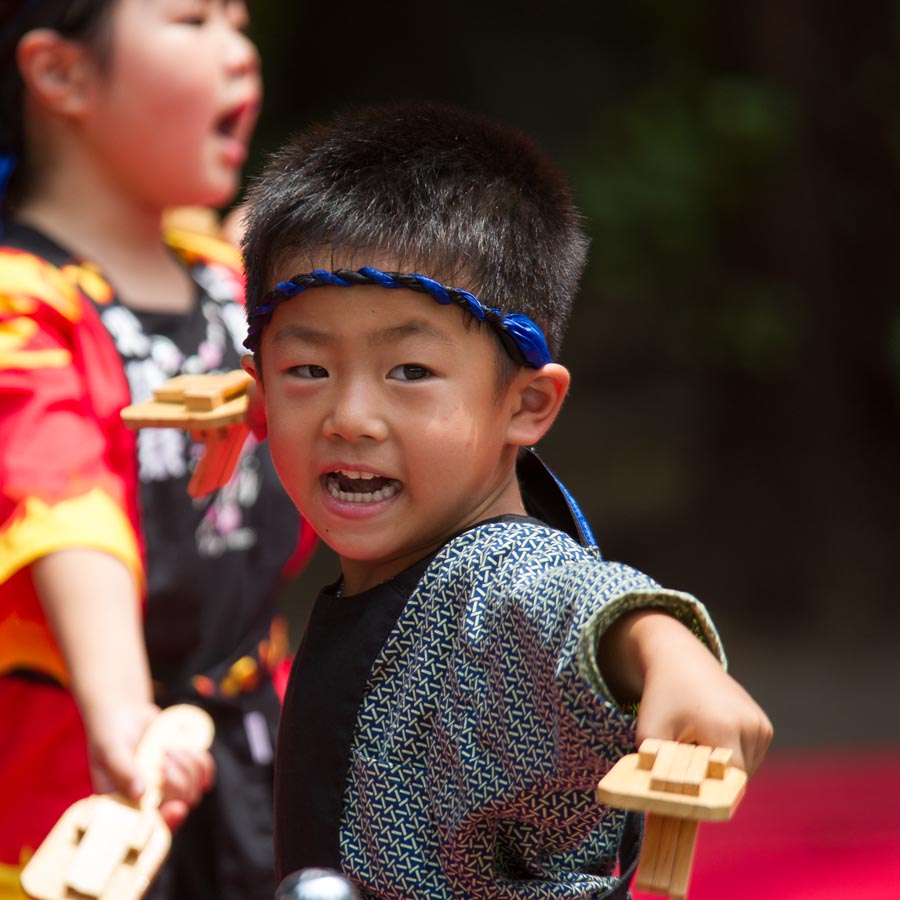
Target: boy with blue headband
[[474, 671]]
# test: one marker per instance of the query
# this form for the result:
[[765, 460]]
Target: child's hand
[[113, 733], [187, 776], [689, 697], [113, 737], [685, 694]]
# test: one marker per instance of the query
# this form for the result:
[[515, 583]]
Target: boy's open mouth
[[360, 487]]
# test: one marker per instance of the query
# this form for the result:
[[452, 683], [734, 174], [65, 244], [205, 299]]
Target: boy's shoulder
[[514, 547], [531, 561]]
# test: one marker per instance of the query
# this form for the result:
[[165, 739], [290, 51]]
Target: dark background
[[733, 427]]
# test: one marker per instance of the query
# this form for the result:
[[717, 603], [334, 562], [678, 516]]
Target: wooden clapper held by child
[[677, 785], [108, 847], [213, 409]]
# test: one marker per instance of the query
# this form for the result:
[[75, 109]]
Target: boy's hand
[[689, 697], [113, 737], [685, 694]]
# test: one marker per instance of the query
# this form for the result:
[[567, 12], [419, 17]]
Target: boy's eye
[[409, 372], [308, 371]]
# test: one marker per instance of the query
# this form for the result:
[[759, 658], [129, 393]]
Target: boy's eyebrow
[[412, 328], [296, 331]]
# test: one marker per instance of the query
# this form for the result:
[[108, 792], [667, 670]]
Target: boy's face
[[386, 423], [173, 111]]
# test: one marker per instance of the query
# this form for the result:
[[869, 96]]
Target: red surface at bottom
[[813, 825]]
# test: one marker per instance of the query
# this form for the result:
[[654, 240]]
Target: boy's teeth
[[383, 493]]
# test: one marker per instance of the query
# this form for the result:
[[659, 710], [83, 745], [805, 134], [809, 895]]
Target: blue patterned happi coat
[[486, 724]]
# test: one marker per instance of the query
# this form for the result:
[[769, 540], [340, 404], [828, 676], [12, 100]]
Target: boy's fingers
[[756, 744], [747, 738]]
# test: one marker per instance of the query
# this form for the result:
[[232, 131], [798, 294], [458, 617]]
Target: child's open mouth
[[235, 128], [237, 121], [360, 487], [229, 124]]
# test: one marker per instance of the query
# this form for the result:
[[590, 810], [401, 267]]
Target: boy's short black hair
[[435, 190]]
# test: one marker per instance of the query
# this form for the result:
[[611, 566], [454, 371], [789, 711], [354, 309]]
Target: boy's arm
[[685, 694], [92, 605]]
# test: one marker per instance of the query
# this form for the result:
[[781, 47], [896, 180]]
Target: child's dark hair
[[433, 189], [83, 20]]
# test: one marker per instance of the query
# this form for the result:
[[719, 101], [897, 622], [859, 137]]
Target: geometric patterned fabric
[[485, 724]]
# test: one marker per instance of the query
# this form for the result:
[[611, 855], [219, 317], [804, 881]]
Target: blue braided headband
[[520, 335]]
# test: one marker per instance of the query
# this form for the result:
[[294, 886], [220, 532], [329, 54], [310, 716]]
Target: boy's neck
[[362, 575]]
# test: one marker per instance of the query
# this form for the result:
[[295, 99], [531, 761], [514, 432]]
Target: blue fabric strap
[[547, 498], [629, 851]]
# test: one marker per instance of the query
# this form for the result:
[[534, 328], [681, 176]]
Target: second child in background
[[115, 111]]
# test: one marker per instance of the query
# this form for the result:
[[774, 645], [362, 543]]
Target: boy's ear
[[538, 398], [248, 364], [55, 71], [256, 409]]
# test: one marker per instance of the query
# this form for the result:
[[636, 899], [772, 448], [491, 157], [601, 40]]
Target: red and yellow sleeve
[[67, 466], [224, 258]]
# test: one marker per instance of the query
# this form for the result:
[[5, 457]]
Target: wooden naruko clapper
[[213, 409], [678, 786], [107, 846]]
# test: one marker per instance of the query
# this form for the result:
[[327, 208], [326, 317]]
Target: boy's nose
[[354, 417]]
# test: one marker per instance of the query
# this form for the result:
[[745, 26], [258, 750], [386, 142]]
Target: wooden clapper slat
[[108, 847], [212, 408], [677, 785]]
